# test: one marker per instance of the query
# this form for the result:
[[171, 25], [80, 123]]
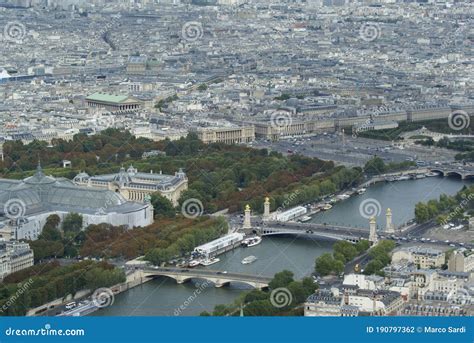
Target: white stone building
[[461, 260], [422, 257], [14, 256], [136, 186]]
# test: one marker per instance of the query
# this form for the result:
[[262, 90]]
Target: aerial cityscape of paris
[[236, 158]]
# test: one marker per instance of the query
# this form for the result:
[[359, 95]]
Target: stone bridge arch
[[218, 281], [440, 171], [454, 173]]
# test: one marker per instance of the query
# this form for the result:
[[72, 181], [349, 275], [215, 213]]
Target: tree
[[255, 295], [50, 233], [72, 223], [221, 310], [162, 206], [422, 213], [45, 249], [281, 279], [375, 166], [345, 249], [362, 246], [297, 291], [373, 267], [340, 257], [53, 221], [309, 285], [326, 264], [202, 87]]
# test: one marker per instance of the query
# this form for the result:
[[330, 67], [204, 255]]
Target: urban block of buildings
[[418, 282], [14, 256]]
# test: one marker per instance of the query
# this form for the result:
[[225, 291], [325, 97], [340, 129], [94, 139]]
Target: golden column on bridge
[[266, 209], [247, 223]]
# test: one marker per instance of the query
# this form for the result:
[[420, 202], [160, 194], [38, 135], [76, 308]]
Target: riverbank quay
[[83, 298]]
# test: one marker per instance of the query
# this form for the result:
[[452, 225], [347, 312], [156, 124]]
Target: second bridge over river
[[218, 278], [331, 232]]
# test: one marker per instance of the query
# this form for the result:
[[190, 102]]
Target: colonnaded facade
[[136, 186]]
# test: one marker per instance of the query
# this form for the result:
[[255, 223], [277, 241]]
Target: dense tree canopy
[[446, 208], [326, 264], [72, 223], [162, 206], [220, 176], [43, 283]]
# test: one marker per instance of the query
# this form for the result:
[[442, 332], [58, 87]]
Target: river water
[[163, 297], [401, 197]]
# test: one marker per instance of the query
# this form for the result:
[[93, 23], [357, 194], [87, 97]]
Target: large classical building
[[228, 135], [112, 102], [26, 204], [136, 186]]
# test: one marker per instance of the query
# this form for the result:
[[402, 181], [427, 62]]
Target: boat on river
[[210, 261], [252, 241], [326, 207], [194, 263], [249, 259], [305, 219]]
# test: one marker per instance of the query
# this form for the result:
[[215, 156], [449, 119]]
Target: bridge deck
[[343, 230], [206, 273]]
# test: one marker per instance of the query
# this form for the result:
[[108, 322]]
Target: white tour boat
[[210, 261], [249, 259], [193, 263]]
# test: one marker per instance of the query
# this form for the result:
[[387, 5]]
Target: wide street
[[355, 151]]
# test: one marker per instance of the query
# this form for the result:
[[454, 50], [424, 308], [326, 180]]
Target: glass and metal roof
[[40, 193]]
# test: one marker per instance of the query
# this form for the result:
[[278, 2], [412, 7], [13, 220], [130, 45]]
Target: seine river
[[163, 297]]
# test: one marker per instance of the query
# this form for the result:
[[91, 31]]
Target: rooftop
[[107, 97]]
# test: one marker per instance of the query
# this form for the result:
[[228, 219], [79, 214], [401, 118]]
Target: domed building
[[26, 204], [137, 186]]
